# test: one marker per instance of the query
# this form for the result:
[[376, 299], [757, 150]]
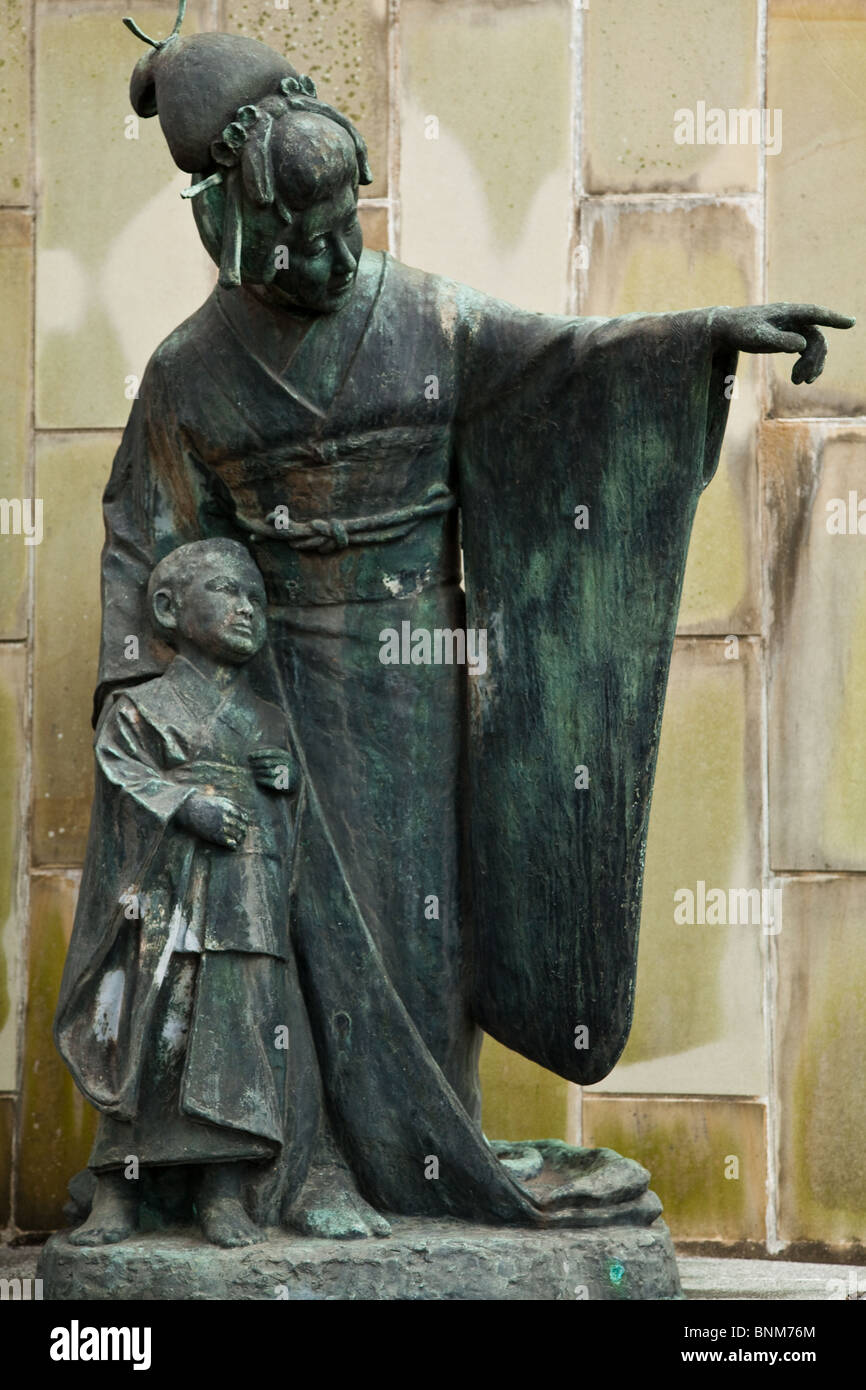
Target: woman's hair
[[263, 141], [309, 157]]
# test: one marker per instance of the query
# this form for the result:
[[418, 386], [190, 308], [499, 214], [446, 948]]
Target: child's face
[[221, 610]]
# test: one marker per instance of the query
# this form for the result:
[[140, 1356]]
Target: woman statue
[[358, 425]]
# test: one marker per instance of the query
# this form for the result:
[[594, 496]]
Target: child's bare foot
[[331, 1207], [220, 1209], [114, 1214]]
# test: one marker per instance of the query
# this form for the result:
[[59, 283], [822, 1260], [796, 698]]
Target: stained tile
[[13, 701], [655, 258], [343, 46], [816, 189], [820, 1042], [57, 1123], [72, 471], [119, 262], [485, 146], [15, 31], [522, 1100], [698, 1024], [707, 1159], [16, 287], [813, 479], [374, 224], [645, 64]]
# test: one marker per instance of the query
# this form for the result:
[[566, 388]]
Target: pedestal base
[[420, 1260]]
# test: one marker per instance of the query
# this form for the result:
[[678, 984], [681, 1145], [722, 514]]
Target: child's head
[[208, 596]]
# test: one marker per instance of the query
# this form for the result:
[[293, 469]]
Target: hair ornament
[[157, 43]]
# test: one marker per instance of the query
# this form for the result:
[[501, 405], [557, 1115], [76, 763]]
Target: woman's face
[[317, 255]]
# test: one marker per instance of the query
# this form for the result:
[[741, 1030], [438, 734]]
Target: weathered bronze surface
[[438, 864]]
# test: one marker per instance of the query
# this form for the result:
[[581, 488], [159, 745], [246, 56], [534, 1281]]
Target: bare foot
[[220, 1209], [224, 1222], [114, 1214], [331, 1207]]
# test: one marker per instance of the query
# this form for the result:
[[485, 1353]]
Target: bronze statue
[[356, 424]]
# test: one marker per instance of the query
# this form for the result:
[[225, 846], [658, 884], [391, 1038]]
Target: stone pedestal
[[420, 1260]]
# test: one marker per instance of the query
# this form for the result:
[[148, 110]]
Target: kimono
[[449, 876], [180, 972]]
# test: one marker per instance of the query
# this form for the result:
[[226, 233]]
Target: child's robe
[[181, 1016]]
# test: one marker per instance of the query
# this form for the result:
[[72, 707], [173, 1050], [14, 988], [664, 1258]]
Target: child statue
[[181, 991]]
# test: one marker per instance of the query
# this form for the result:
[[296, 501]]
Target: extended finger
[[811, 313], [811, 364]]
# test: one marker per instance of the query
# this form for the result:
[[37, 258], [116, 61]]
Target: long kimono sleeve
[[583, 446]]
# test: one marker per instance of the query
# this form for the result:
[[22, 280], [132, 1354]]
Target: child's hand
[[214, 818], [275, 768]]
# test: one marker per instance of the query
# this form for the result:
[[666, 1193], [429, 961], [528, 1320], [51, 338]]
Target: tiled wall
[[527, 147]]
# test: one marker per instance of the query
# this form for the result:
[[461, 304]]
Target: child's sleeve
[[127, 753]]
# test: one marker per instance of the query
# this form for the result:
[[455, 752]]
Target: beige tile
[[488, 201], [15, 32], [698, 1017], [820, 1039], [374, 224], [72, 471], [689, 1147], [816, 581], [645, 62], [13, 753], [655, 256], [343, 46], [57, 1123], [816, 190], [654, 259], [119, 262], [522, 1100], [16, 286]]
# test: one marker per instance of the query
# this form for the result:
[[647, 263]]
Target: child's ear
[[163, 609]]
